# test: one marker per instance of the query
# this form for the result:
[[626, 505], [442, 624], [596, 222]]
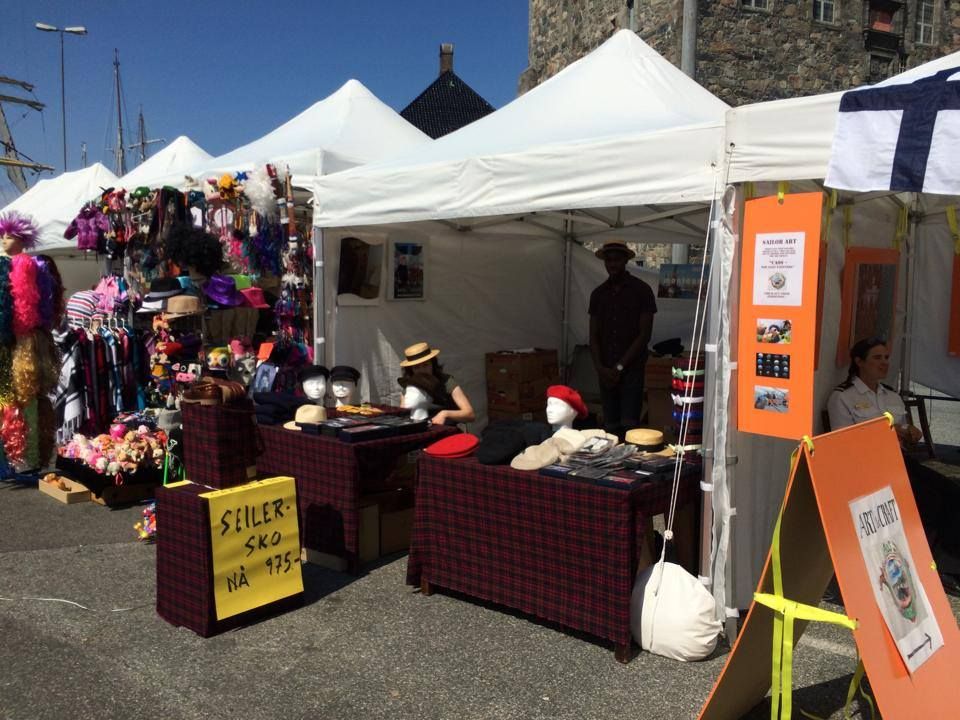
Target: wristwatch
[[619, 367]]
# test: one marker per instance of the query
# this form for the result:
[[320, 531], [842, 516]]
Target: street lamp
[[75, 30]]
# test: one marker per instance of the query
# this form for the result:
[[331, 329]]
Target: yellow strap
[[800, 611], [952, 222], [903, 224], [889, 417], [847, 224], [783, 187], [828, 215], [749, 191]]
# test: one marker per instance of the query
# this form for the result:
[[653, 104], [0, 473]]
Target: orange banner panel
[[779, 277]]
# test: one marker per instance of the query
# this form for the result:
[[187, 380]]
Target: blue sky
[[225, 73]]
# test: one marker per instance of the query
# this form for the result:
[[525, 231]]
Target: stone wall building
[[753, 50]]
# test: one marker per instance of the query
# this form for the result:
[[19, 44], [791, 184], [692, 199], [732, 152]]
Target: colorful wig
[[56, 290], [26, 295], [22, 227], [45, 290], [6, 303], [26, 372], [13, 434], [47, 362]]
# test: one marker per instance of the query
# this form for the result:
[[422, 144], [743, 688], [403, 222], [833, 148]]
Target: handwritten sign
[[897, 588], [255, 541]]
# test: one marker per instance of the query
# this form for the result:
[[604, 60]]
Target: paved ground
[[366, 647]]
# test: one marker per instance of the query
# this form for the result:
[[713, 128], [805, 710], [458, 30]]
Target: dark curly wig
[[188, 246]]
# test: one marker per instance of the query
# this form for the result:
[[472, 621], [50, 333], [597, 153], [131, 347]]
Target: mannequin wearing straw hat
[[621, 321], [421, 369]]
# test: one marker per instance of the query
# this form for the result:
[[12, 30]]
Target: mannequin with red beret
[[564, 404]]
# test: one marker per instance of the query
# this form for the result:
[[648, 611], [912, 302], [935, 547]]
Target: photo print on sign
[[774, 331], [771, 399]]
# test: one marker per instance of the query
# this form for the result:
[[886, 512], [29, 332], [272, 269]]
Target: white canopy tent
[[790, 140], [175, 160], [56, 201], [595, 151], [348, 128]]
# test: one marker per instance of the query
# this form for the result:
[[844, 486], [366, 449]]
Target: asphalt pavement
[[80, 638]]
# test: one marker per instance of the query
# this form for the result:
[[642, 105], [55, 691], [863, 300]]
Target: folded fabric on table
[[503, 440]]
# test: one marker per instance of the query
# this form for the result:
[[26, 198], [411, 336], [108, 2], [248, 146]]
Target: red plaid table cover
[[185, 566], [560, 550], [331, 476], [219, 443]]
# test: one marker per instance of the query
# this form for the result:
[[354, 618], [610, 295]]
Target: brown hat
[[181, 305], [308, 415], [418, 353], [616, 246]]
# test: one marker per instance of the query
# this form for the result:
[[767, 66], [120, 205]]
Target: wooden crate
[[74, 493]]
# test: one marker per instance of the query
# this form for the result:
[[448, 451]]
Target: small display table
[[332, 476], [558, 549]]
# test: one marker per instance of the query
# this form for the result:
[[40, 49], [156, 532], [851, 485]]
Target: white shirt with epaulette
[[858, 403]]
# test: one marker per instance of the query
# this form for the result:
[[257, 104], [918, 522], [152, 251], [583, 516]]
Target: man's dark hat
[[163, 288], [312, 371], [344, 372]]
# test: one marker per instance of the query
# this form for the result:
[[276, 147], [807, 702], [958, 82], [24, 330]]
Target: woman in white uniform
[[862, 396]]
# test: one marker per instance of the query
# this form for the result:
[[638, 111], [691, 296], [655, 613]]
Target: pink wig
[[26, 294], [13, 434], [22, 227]]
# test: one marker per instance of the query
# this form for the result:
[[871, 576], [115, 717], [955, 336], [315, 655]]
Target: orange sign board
[[829, 523], [779, 275]]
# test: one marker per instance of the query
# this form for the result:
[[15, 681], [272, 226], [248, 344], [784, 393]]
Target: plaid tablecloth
[[560, 550], [185, 566], [331, 476], [220, 443]]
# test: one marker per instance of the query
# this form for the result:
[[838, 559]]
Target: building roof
[[446, 105]]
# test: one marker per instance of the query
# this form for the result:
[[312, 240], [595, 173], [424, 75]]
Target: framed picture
[[359, 263], [681, 281], [869, 298], [407, 279]]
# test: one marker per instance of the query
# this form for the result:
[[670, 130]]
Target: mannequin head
[[417, 402], [560, 414], [18, 232], [563, 405], [343, 384], [313, 382]]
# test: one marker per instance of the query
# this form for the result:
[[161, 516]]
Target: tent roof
[[348, 128], [621, 126], [56, 201], [175, 160], [791, 139]]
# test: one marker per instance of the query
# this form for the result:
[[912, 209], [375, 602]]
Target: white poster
[[898, 592], [778, 269]]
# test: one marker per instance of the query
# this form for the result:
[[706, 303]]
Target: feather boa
[[258, 189], [6, 376], [45, 290], [26, 295], [6, 303], [13, 434], [26, 371]]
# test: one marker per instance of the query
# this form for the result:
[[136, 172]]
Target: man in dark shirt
[[621, 320]]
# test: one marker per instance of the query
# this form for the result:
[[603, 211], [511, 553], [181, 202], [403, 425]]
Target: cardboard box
[[504, 403], [659, 373], [74, 493], [369, 549], [539, 415], [322, 559], [395, 530], [522, 366]]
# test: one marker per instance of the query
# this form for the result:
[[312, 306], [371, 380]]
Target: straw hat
[[308, 415], [418, 353], [645, 438], [182, 305], [617, 245]]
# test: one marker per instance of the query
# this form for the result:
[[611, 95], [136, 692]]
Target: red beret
[[570, 396], [453, 446]]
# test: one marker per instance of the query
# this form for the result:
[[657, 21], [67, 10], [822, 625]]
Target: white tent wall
[[759, 478], [486, 291], [934, 250]]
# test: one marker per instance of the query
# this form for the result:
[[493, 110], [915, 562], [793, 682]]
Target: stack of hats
[[688, 393], [453, 446], [645, 439], [161, 289], [222, 290], [310, 415]]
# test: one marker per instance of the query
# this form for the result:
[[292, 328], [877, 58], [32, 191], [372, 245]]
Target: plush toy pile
[[120, 451]]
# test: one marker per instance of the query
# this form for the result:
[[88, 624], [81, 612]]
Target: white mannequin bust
[[559, 414], [315, 388], [417, 402], [343, 391]]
